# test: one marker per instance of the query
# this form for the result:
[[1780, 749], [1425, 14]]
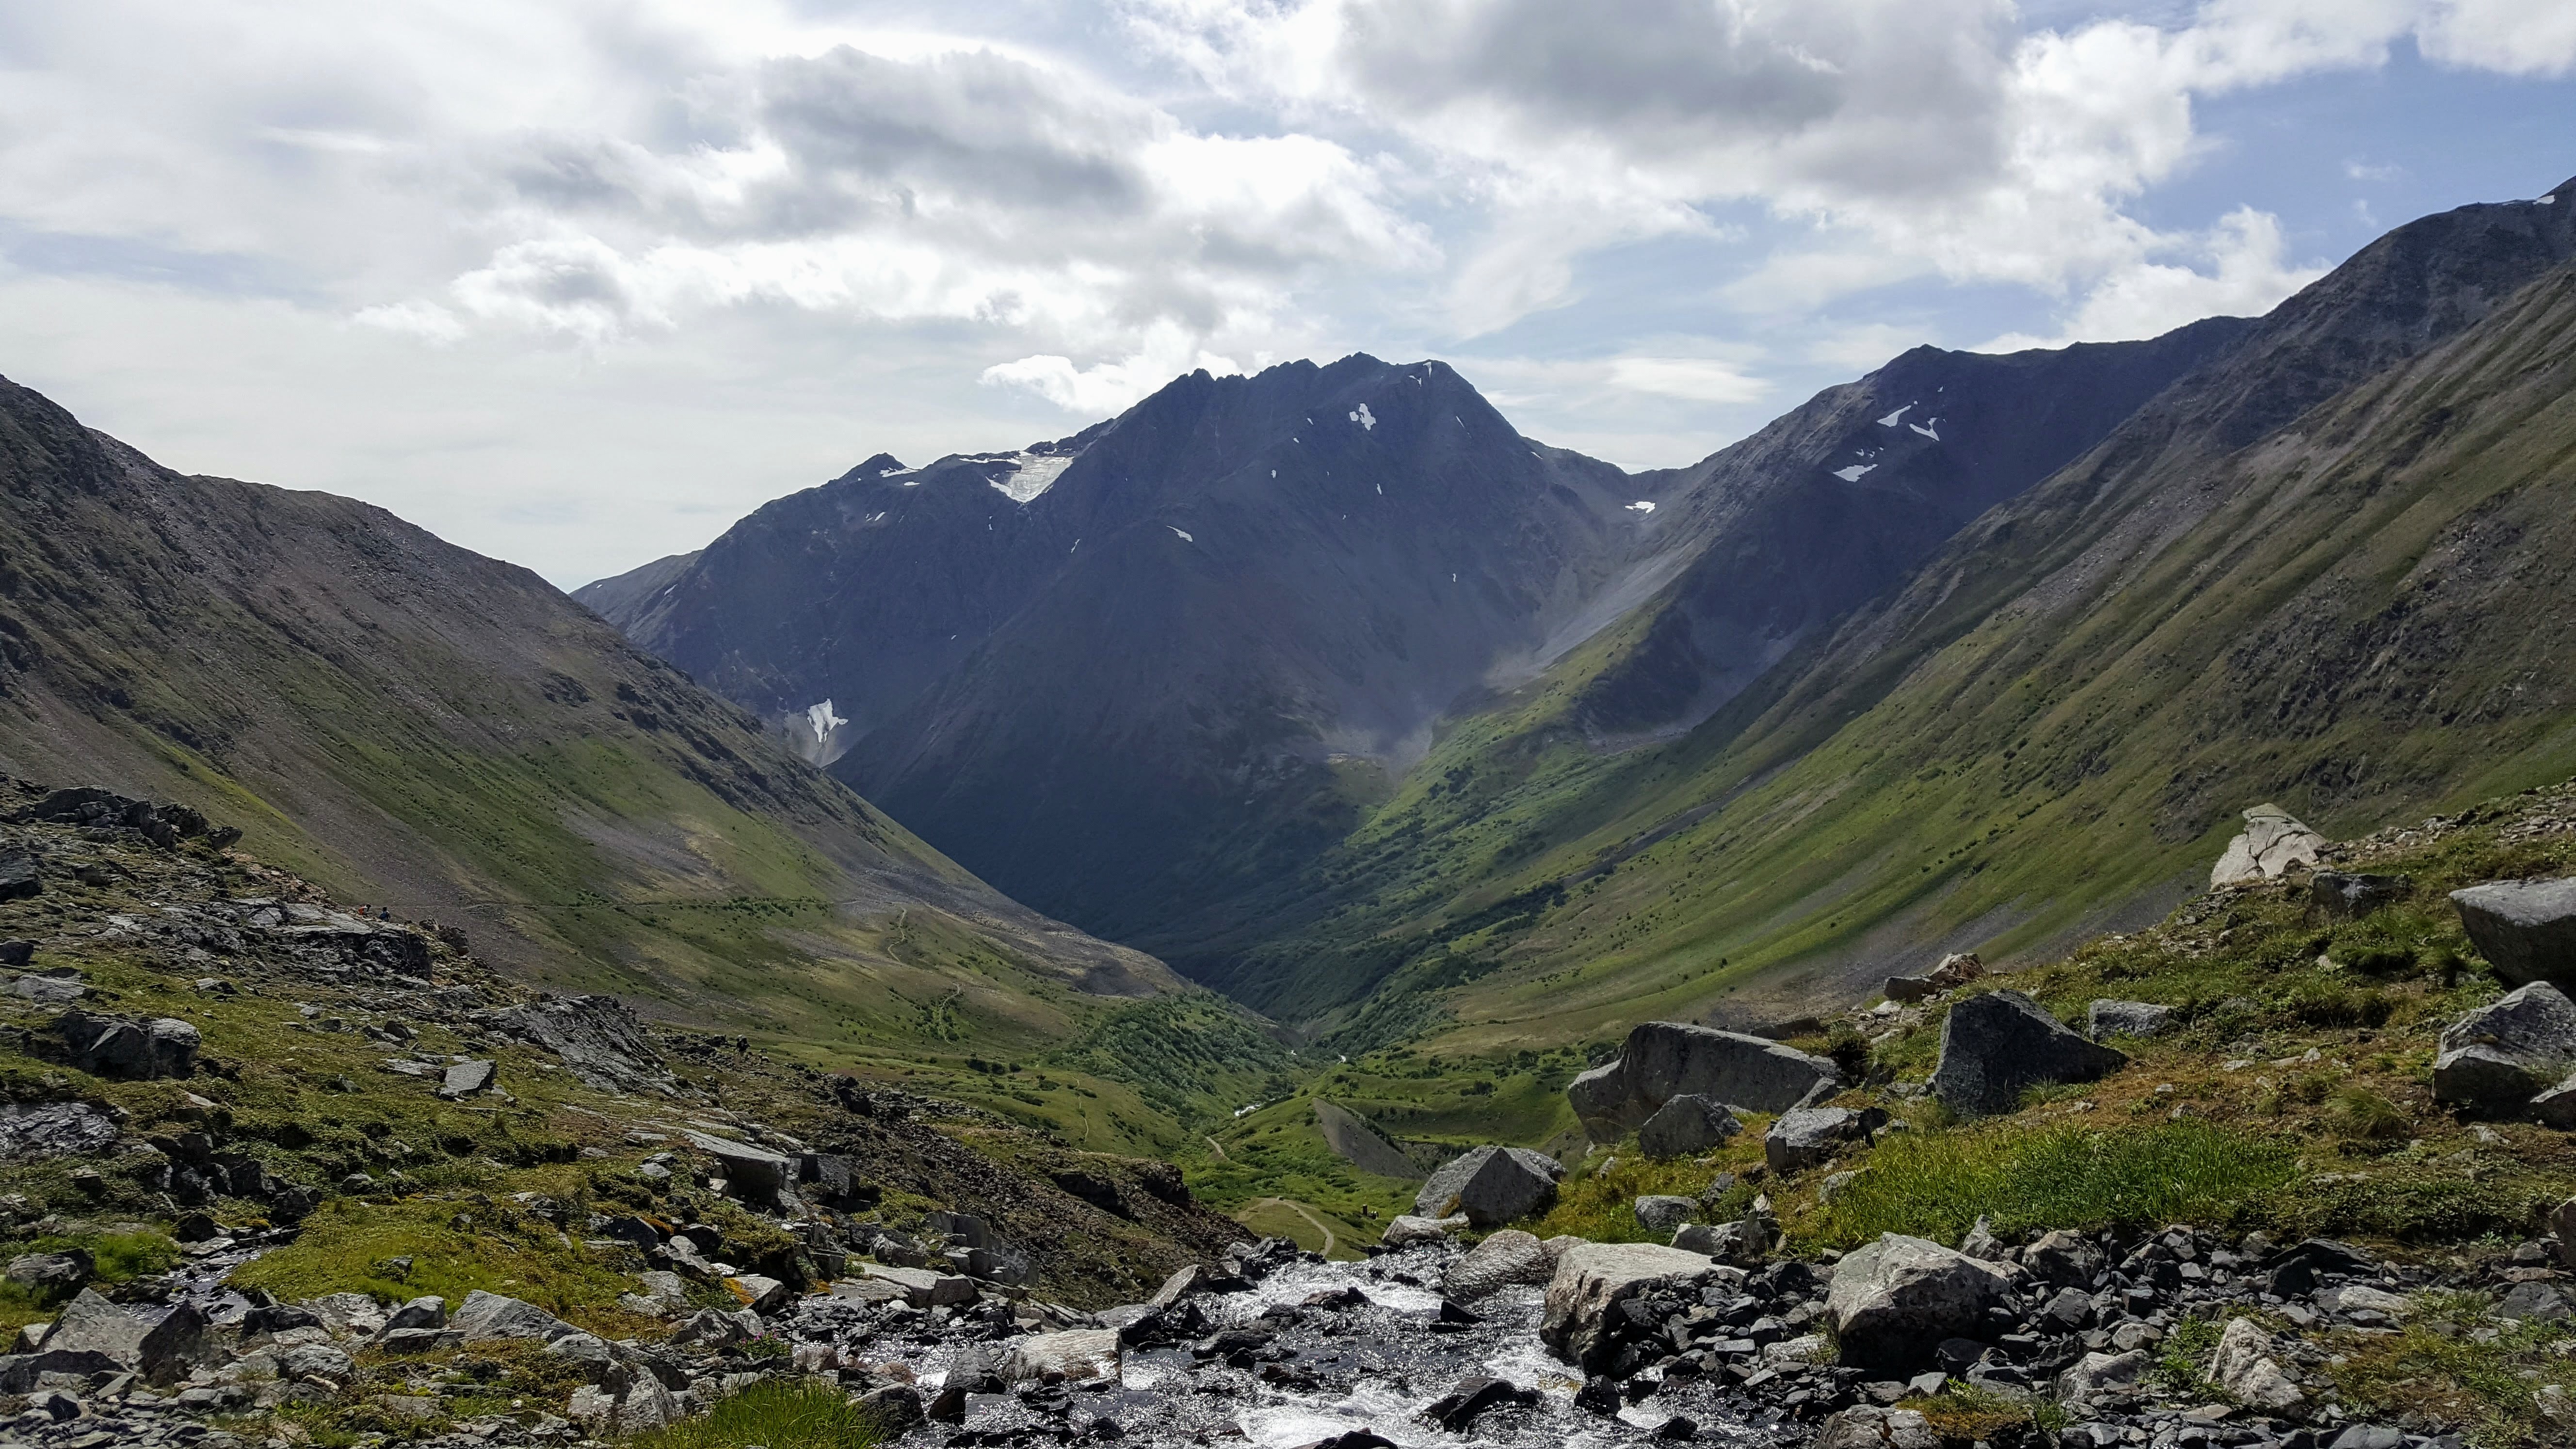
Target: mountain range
[[1333, 690]]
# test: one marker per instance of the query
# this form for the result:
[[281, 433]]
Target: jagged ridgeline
[[432, 732]]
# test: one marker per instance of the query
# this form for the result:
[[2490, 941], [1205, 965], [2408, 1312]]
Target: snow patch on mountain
[[1030, 474], [1641, 506], [1185, 538], [1361, 416], [1891, 419], [824, 720], [1927, 431], [1852, 473]]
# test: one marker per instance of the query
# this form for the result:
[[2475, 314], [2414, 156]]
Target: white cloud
[[1697, 379], [1109, 387]]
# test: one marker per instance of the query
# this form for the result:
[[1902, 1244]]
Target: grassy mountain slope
[[2329, 569], [422, 728]]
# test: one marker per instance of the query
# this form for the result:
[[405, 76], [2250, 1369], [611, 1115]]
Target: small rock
[[2342, 896], [1871, 1427], [491, 1315], [1661, 1214], [1071, 1356], [464, 1079], [2100, 1373], [2247, 1364]]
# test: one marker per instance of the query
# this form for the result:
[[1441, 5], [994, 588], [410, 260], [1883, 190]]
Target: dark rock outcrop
[[1996, 1044], [1491, 1186], [1662, 1060]]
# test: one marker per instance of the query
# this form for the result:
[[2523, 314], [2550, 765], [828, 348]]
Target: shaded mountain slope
[[423, 728], [1185, 662], [2328, 567]]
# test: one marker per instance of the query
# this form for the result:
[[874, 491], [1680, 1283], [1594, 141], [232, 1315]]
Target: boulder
[[2345, 896], [316, 1361], [17, 953], [1955, 970], [1806, 1136], [2273, 845], [1592, 1279], [1467, 1399], [1491, 1185], [1666, 1059], [1994, 1045], [1894, 1301], [1660, 1213], [754, 1174], [54, 1129], [923, 1287], [2064, 1260], [894, 1408], [1871, 1427], [52, 1276], [2103, 1373], [19, 877], [2106, 1019], [2247, 1363], [491, 1315], [160, 1344], [133, 1048], [760, 1294], [464, 1079], [2535, 1302], [2557, 1106], [2503, 1053], [1507, 1257], [1068, 1357], [1687, 1125], [2525, 929], [1407, 1230]]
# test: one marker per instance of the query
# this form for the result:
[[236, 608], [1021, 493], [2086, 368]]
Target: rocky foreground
[[281, 1172]]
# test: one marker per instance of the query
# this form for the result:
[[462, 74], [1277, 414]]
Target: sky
[[576, 283]]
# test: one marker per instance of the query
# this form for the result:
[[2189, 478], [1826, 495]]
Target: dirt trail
[[1300, 1210]]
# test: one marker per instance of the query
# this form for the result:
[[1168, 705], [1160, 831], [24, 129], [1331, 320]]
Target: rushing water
[[1363, 1368]]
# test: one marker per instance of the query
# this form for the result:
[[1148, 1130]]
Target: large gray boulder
[[1995, 1045], [2273, 845], [492, 1315], [1667, 1059], [1895, 1300], [1806, 1136], [1592, 1279], [161, 1344], [1661, 1212], [754, 1174], [131, 1047], [1408, 1230], [1687, 1125], [2502, 1054], [2525, 929], [2247, 1363], [1075, 1355], [1491, 1185], [1871, 1427], [1502, 1259]]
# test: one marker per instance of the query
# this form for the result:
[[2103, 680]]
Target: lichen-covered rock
[[2247, 1365], [1895, 1300], [2273, 845], [1995, 1045], [1593, 1278], [1068, 1357], [1871, 1427], [492, 1315], [1802, 1138], [2106, 1019], [1661, 1212]]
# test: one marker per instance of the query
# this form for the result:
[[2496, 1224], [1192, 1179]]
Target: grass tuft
[[776, 1414]]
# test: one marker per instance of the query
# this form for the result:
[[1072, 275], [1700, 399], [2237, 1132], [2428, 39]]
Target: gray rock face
[[2274, 844], [1686, 1125], [1662, 1214], [2105, 1019], [54, 1129], [128, 1047], [1993, 1046], [1666, 1059], [1592, 1279], [19, 877], [1502, 1259], [2503, 1053], [491, 1315], [1895, 1300], [600, 1039], [17, 953], [2343, 896], [464, 1079], [752, 1173], [2525, 929], [51, 1275], [2100, 1373], [1491, 1185], [160, 1344], [1802, 1138]]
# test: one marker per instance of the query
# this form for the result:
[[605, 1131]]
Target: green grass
[[1937, 1184], [456, 1245], [777, 1414], [1600, 1204], [2449, 1364]]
